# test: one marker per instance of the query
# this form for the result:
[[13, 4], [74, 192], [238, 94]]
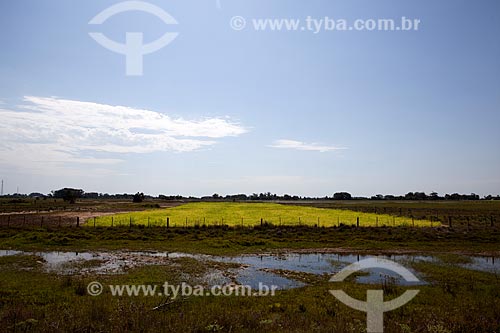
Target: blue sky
[[225, 111]]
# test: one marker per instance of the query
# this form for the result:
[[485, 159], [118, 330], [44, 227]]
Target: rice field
[[253, 214]]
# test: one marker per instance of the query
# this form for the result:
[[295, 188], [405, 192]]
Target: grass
[[226, 240], [251, 214], [456, 214], [456, 300], [459, 213]]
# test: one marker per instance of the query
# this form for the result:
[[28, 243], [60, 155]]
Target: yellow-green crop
[[250, 214]]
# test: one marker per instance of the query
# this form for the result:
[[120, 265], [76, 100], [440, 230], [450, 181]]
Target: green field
[[250, 214]]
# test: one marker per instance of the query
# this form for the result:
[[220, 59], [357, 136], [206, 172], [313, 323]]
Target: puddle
[[67, 263], [484, 264], [319, 264], [168, 255], [246, 269], [55, 259], [4, 253], [253, 277]]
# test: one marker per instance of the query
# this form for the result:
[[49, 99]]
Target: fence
[[52, 221]]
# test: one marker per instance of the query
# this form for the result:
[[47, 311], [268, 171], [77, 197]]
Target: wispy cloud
[[298, 145], [53, 130]]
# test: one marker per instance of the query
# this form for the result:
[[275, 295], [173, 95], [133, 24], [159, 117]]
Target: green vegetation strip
[[251, 214]]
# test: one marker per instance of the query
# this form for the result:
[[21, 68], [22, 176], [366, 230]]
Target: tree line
[[72, 194]]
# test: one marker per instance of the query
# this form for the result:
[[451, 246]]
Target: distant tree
[[456, 196], [170, 197], [434, 196], [420, 196], [91, 195], [68, 194], [473, 196], [138, 197], [415, 196], [235, 197], [36, 195], [342, 196]]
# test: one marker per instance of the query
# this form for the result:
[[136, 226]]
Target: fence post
[[393, 221], [168, 222], [41, 222], [77, 221], [261, 222], [94, 221], [376, 221], [130, 222], [318, 222], [449, 222], [112, 220], [357, 222], [24, 220]]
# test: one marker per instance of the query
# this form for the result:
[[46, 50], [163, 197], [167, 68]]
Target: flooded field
[[287, 270], [46, 276]]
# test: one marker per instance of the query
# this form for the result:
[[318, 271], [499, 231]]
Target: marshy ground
[[43, 286]]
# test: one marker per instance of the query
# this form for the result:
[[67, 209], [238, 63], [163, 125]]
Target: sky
[[221, 110]]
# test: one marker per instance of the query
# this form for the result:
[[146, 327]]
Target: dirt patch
[[69, 217]]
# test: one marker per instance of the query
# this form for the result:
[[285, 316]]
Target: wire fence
[[53, 221]]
